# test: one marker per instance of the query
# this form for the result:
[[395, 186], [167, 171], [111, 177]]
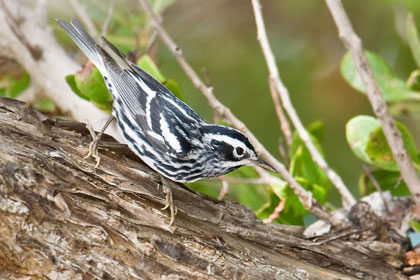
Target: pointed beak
[[262, 163]]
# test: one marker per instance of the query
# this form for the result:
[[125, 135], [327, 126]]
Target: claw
[[93, 146], [169, 201]]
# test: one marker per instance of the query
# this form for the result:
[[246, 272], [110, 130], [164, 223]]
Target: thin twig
[[84, 17], [283, 153], [152, 41], [354, 45], [276, 212], [108, 17], [347, 198], [305, 197], [375, 183], [246, 181], [334, 236], [284, 123], [225, 188]]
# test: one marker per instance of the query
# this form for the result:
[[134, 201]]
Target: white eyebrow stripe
[[227, 139]]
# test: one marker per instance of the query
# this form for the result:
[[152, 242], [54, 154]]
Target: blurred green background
[[218, 38]]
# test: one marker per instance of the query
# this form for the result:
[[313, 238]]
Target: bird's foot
[[93, 146], [169, 200]]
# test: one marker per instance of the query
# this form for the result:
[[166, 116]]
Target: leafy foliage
[[89, 84], [364, 133], [387, 180], [367, 140], [392, 88]]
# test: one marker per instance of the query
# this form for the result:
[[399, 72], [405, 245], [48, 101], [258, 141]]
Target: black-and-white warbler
[[161, 129]]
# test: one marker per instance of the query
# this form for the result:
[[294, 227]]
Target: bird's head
[[231, 148]]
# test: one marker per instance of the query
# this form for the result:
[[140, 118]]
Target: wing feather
[[165, 121]]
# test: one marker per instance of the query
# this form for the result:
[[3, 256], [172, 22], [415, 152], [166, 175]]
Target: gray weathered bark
[[62, 219]]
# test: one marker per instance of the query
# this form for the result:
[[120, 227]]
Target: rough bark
[[62, 219]]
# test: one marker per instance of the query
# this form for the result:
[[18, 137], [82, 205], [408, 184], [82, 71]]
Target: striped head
[[228, 150]]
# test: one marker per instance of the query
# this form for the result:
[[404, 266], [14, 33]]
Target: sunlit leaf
[[358, 131], [367, 140]]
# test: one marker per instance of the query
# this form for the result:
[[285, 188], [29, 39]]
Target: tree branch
[[354, 45], [62, 218], [347, 198], [284, 122]]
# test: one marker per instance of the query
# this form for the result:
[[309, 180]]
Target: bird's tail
[[83, 40]]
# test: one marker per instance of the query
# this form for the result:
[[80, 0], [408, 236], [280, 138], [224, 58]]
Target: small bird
[[162, 130]]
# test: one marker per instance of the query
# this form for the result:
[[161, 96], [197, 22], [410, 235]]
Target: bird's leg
[[93, 146], [169, 199]]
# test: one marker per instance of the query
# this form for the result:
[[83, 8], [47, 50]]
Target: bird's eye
[[239, 151]]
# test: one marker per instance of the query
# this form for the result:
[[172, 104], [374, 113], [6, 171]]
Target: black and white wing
[[165, 122]]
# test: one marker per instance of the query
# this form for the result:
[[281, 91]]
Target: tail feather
[[83, 40]]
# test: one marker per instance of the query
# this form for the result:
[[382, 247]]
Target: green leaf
[[413, 38], [89, 84], [304, 169], [316, 129], [358, 130], [14, 86], [302, 164], [380, 153], [45, 105], [387, 180], [147, 64], [415, 225], [173, 87], [413, 81], [320, 193], [72, 84], [293, 211], [393, 88], [367, 140]]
